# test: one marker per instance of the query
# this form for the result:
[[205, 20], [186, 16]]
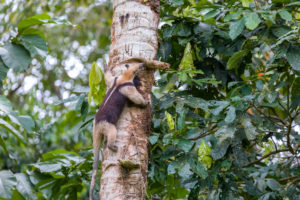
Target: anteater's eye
[[126, 65]]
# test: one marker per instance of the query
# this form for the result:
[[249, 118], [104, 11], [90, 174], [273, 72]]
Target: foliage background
[[225, 117]]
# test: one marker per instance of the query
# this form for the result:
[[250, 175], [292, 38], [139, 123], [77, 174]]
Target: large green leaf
[[185, 145], [293, 57], [35, 44], [97, 84], [284, 14], [31, 21], [16, 195], [27, 122], [11, 129], [70, 99], [198, 168], [250, 130], [211, 14], [15, 56], [235, 60], [24, 186], [3, 145], [246, 3], [170, 120], [252, 20], [48, 166], [187, 59], [230, 116], [220, 105], [5, 105], [273, 184], [236, 28], [7, 182], [220, 150], [204, 155]]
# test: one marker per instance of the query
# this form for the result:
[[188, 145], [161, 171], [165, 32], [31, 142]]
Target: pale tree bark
[[134, 34]]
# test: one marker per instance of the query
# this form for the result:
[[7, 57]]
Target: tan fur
[[134, 95], [107, 129], [128, 75]]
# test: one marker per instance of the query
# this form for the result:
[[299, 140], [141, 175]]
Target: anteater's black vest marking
[[112, 104]]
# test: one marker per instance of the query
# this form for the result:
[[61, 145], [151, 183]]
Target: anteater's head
[[131, 72]]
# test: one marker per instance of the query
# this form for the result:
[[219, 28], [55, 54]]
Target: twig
[[288, 178], [268, 117], [289, 138], [274, 144], [201, 136], [286, 110], [265, 156]]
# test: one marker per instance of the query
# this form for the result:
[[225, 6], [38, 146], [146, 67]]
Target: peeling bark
[[134, 34]]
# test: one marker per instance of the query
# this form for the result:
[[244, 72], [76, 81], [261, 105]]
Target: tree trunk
[[134, 34]]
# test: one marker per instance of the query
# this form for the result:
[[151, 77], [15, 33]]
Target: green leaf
[[230, 117], [70, 99], [79, 103], [295, 102], [273, 184], [84, 109], [293, 57], [11, 129], [177, 2], [211, 14], [3, 71], [24, 186], [15, 56], [31, 21], [294, 4], [182, 30], [97, 84], [153, 138], [187, 59], [181, 121], [235, 60], [48, 166], [60, 20], [198, 168], [246, 3], [33, 31], [7, 183], [16, 195], [284, 14], [27, 122], [204, 155], [185, 145], [220, 150], [220, 105], [236, 28], [35, 44], [185, 170], [2, 143], [170, 120], [249, 128], [5, 105], [252, 20]]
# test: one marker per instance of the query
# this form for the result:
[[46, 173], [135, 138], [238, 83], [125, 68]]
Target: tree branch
[[265, 156], [289, 138], [268, 117]]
